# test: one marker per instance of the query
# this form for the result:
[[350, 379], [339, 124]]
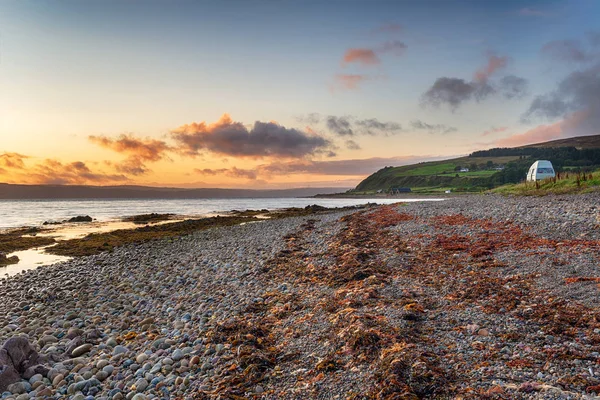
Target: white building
[[541, 169]]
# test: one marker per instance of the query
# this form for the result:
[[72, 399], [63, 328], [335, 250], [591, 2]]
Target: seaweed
[[148, 218], [95, 243], [22, 239]]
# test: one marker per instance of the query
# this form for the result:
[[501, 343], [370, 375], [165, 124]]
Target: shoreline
[[55, 239], [373, 302]]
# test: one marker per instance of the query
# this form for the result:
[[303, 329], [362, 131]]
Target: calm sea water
[[17, 213]]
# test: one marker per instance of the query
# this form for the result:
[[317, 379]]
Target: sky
[[281, 93]]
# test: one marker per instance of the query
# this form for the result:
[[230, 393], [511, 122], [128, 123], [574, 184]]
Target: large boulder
[[18, 359]]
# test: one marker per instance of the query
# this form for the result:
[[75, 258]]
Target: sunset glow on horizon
[[263, 94]]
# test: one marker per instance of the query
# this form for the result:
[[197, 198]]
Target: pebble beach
[[478, 296]]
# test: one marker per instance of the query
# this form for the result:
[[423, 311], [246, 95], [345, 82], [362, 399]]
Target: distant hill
[[16, 192], [486, 168], [579, 142]]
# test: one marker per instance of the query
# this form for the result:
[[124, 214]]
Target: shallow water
[[30, 259]]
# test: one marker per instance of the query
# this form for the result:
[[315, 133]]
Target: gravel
[[248, 310]]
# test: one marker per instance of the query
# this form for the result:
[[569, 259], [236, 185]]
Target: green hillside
[[487, 169]]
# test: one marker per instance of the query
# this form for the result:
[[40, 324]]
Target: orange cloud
[[55, 172], [12, 160], [494, 63], [232, 172], [544, 133], [144, 149], [494, 130], [364, 57], [139, 151], [349, 81]]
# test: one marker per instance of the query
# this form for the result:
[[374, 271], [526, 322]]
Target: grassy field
[[472, 174], [448, 166], [567, 183]]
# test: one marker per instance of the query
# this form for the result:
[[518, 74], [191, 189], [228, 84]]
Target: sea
[[108, 215]]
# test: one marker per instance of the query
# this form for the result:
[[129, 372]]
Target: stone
[[101, 375], [72, 333], [72, 345], [81, 350], [141, 385], [45, 393], [44, 340], [57, 379], [177, 355], [19, 387], [108, 369], [36, 378], [472, 328], [141, 358], [120, 350]]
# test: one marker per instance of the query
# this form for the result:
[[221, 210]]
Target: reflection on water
[[79, 230], [30, 259]]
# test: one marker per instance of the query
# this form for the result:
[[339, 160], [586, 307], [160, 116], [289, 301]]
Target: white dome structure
[[541, 169]]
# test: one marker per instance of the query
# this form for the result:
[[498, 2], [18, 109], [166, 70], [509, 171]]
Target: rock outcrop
[[18, 359]]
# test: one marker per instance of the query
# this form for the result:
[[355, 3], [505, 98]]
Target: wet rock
[[80, 218], [5, 260]]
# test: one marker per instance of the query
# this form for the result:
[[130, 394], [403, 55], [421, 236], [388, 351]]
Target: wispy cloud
[[138, 151], [567, 50], [364, 57], [538, 134], [144, 149], [453, 92], [432, 128], [395, 47], [494, 130], [352, 145], [494, 64], [349, 81], [576, 99], [350, 126], [232, 172], [51, 171], [355, 167]]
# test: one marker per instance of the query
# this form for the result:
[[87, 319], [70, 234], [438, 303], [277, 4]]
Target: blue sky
[[71, 69]]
